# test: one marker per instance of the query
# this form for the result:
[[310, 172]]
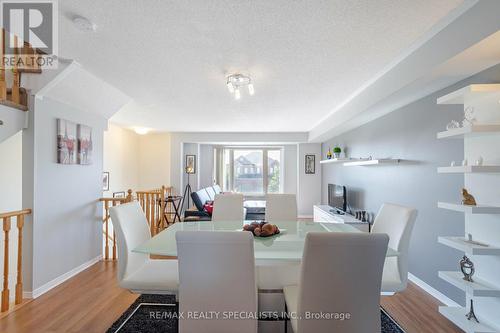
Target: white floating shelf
[[478, 288], [372, 162], [461, 244], [476, 129], [479, 209], [469, 93], [470, 169], [336, 160], [457, 316]]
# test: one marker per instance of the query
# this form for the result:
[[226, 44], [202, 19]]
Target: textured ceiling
[[305, 57]]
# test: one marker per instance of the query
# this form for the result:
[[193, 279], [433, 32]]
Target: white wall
[[206, 167], [121, 159], [154, 160], [308, 185], [11, 197], [177, 140], [137, 162], [66, 220]]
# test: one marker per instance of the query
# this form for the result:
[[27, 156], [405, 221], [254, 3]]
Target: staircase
[[13, 97]]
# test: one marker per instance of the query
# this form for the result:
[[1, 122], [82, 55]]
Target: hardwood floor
[[91, 301]]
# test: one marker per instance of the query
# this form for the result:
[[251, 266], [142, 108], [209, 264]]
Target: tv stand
[[328, 214]]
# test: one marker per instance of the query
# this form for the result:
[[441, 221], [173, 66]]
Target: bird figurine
[[468, 199]]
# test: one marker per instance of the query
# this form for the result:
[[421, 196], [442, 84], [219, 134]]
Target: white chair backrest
[[228, 207], [281, 207], [216, 273], [342, 273], [397, 222], [131, 229]]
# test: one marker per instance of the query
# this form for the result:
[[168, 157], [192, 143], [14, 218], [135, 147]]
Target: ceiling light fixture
[[235, 81], [84, 24], [141, 130]]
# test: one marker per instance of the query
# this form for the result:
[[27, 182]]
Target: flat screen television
[[337, 197]]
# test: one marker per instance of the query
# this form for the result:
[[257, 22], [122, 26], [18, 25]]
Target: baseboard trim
[[432, 291], [305, 216], [60, 279]]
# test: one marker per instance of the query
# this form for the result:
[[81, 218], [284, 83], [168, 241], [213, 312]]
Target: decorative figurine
[[452, 163], [452, 125], [468, 199], [471, 315], [479, 161], [465, 162], [467, 268], [329, 154], [469, 118]]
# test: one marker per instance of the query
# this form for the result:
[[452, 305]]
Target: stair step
[[23, 96], [14, 105], [30, 70]]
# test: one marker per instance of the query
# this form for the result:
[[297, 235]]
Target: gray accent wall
[[64, 232], [410, 134]]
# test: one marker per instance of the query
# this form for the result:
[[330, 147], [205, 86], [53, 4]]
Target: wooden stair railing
[[16, 96], [152, 203], [6, 222], [108, 203]]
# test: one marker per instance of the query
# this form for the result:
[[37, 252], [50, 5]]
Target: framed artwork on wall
[[120, 194], [84, 134], [310, 164], [66, 142], [190, 164], [105, 181]]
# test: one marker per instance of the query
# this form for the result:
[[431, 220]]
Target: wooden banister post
[[5, 291], [15, 71], [130, 197], [19, 284], [106, 228], [114, 236], [162, 207]]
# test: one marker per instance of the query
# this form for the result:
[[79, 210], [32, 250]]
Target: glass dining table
[[285, 247]]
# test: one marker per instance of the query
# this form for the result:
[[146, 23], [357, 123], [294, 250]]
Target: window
[[252, 171]]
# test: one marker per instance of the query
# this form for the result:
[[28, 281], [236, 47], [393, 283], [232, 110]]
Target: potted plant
[[337, 151]]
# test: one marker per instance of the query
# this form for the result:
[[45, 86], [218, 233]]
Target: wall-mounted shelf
[[372, 162], [479, 209], [470, 93], [474, 130], [337, 160], [461, 244], [470, 169], [478, 288], [457, 316]]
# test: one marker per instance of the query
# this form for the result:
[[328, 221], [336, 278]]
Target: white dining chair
[[136, 271], [397, 222], [228, 207], [217, 273], [281, 207], [340, 274]]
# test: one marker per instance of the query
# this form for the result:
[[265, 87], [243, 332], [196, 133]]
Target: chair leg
[[286, 318]]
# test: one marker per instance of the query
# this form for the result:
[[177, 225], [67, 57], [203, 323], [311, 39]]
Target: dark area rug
[[155, 316]]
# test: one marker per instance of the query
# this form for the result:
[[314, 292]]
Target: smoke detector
[[84, 24]]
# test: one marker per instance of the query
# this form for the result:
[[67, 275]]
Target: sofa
[[200, 198]]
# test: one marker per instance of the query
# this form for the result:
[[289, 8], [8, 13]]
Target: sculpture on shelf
[[452, 125], [468, 199], [467, 268], [471, 315], [469, 118], [479, 161]]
